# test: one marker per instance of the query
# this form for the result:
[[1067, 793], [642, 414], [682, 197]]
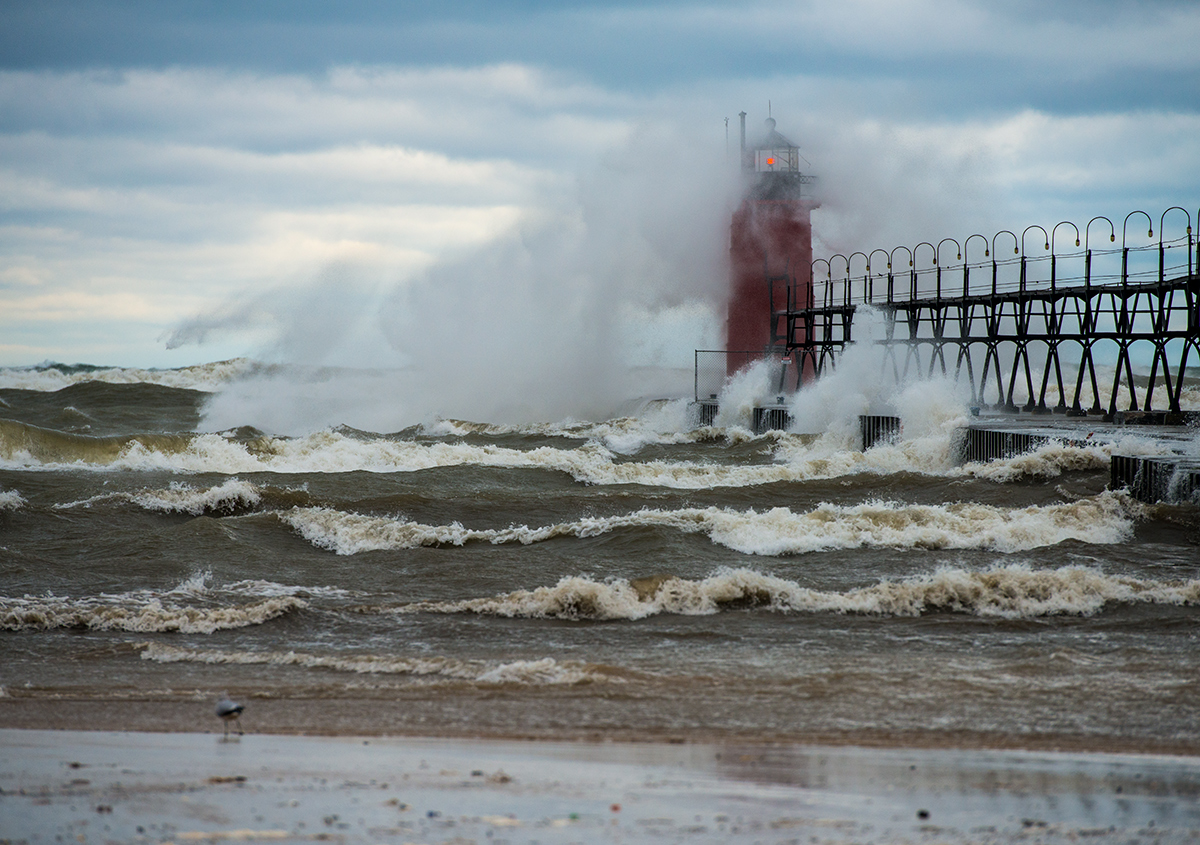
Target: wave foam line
[[531, 672], [230, 497], [1102, 519], [153, 615], [51, 377], [797, 457], [1008, 592], [1056, 457], [330, 451], [334, 452]]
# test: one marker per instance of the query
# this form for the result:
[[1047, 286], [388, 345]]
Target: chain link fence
[[715, 366]]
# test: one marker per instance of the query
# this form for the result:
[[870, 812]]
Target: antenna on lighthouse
[[742, 115]]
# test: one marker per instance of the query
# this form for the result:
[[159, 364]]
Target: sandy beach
[[105, 786]]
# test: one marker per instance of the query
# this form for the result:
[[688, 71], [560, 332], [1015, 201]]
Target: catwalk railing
[[1012, 326]]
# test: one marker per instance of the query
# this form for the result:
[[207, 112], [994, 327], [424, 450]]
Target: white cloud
[[161, 196], [158, 187]]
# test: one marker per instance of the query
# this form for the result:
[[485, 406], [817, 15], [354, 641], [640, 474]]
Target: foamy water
[[1014, 591], [631, 573], [779, 531], [531, 672], [48, 377], [129, 613]]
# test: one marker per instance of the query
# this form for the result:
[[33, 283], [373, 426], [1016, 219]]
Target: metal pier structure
[[1104, 337], [1038, 330]]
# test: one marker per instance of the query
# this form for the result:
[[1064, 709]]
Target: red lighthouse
[[770, 246]]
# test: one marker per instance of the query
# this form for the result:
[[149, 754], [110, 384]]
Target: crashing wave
[[1102, 519], [11, 500], [51, 376], [1007, 592], [136, 613]]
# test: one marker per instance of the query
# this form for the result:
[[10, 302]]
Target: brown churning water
[[628, 577]]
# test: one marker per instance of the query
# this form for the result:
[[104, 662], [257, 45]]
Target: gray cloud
[[159, 160], [957, 55]]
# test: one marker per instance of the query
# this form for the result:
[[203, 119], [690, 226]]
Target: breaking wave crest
[[1102, 519], [526, 672], [597, 460], [51, 376], [233, 496], [11, 500], [137, 613], [1007, 592], [330, 451], [24, 445], [1056, 457], [230, 497]]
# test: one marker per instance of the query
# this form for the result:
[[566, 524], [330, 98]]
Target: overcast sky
[[188, 181]]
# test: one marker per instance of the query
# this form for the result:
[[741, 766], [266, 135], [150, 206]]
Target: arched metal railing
[[1098, 310]]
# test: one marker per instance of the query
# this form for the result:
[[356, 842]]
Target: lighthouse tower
[[770, 246]]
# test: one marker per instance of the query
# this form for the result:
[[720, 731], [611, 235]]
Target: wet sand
[[487, 716], [101, 786]]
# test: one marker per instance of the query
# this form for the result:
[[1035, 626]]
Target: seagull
[[228, 710]]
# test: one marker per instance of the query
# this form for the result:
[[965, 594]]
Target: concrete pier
[[1157, 479], [1167, 470]]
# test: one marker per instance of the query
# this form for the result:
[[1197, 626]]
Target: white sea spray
[[750, 387]]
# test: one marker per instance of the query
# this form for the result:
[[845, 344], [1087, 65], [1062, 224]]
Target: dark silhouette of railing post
[[1162, 230], [1125, 327], [892, 260], [967, 261], [1055, 326], [1053, 253], [937, 260], [865, 280], [889, 265]]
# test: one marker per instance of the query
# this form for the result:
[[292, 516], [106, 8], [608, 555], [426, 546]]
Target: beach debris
[[616, 808], [502, 821], [228, 712], [499, 777], [922, 814]]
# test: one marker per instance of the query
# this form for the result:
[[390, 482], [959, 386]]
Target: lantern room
[[776, 154]]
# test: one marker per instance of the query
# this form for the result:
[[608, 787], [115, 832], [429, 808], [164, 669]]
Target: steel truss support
[[1013, 345]]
